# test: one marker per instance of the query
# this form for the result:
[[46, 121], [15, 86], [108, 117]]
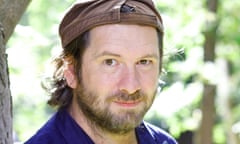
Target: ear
[[69, 75]]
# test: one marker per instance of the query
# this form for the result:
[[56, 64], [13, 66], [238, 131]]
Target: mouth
[[129, 103], [125, 100]]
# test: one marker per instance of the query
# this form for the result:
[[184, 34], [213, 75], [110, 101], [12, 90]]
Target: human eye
[[110, 62], [145, 62]]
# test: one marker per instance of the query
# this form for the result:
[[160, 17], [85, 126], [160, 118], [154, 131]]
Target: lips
[[127, 100], [129, 103]]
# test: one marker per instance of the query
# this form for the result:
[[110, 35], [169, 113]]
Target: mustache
[[124, 96]]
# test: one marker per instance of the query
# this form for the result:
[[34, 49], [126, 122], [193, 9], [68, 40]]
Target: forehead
[[124, 37]]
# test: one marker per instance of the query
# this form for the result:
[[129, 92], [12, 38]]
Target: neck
[[97, 134]]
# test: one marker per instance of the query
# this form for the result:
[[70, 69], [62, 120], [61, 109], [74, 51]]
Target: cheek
[[98, 81], [149, 80]]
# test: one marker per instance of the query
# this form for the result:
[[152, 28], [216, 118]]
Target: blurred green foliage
[[35, 40]]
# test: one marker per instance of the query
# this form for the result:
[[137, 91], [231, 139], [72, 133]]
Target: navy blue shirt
[[62, 129]]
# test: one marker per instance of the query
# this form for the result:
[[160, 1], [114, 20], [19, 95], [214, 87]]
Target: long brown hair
[[60, 93]]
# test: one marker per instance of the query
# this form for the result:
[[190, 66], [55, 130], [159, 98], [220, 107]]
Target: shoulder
[[42, 138], [158, 134], [47, 134]]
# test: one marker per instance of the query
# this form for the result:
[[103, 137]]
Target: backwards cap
[[86, 14]]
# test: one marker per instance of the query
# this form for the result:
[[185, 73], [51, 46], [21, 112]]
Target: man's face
[[119, 76]]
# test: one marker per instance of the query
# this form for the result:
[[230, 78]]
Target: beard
[[99, 113]]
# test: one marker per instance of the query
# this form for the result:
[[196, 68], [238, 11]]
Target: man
[[107, 75]]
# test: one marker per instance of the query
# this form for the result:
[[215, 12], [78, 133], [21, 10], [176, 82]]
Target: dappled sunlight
[[176, 97], [178, 106]]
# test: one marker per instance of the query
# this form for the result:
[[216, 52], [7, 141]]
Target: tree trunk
[[5, 98], [208, 114], [205, 133], [224, 100], [10, 13]]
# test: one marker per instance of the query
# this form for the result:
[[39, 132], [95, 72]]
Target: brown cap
[[86, 14]]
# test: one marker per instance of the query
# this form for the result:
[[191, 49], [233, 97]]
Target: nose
[[129, 81]]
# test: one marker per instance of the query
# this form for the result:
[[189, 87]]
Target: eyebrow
[[155, 56], [106, 53]]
